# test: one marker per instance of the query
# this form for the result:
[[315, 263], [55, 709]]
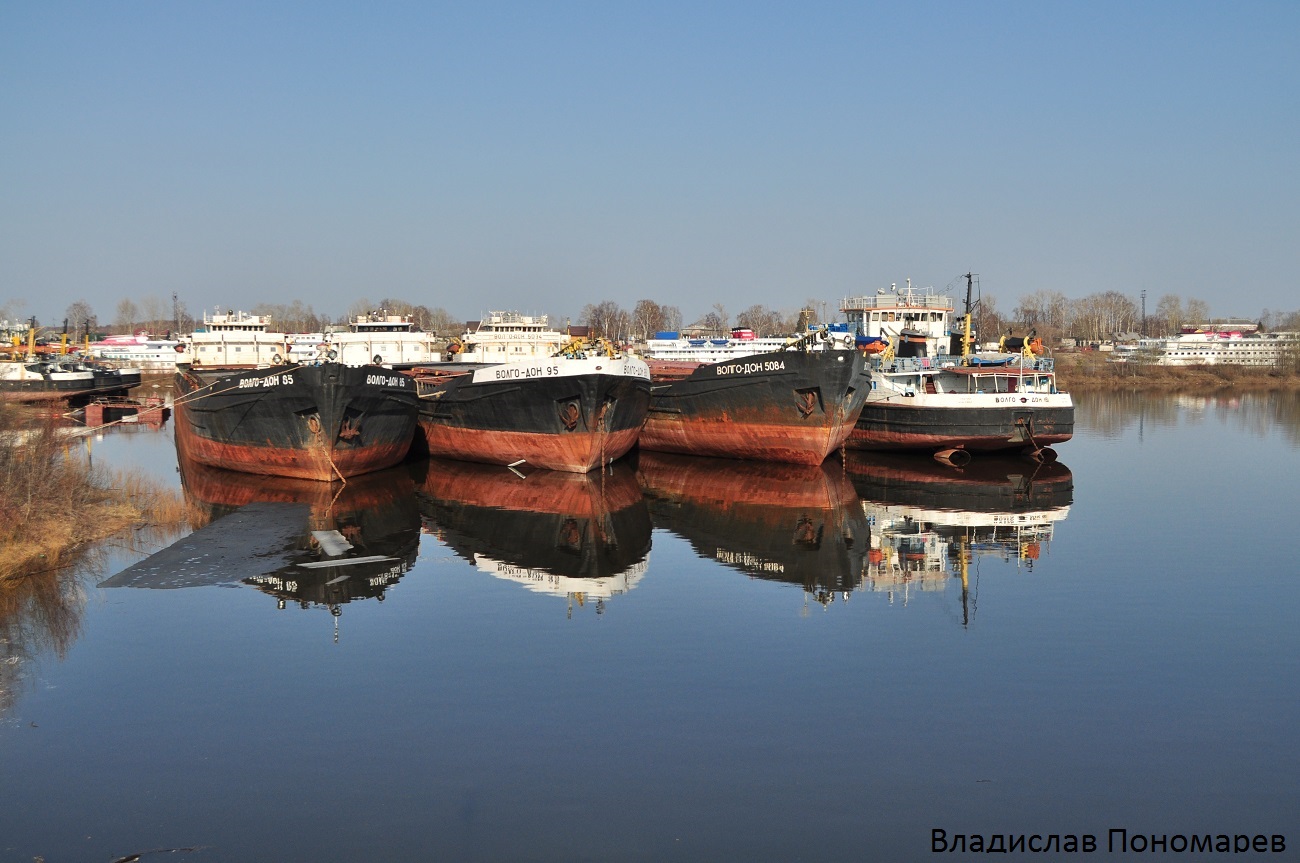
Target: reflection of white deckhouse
[[571, 587], [504, 336], [383, 339]]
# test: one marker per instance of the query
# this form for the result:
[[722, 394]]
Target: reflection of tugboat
[[801, 524], [344, 543], [929, 520], [581, 536]]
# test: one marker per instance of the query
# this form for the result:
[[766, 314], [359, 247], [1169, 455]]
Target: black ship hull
[[788, 406], [566, 422], [319, 422], [898, 426]]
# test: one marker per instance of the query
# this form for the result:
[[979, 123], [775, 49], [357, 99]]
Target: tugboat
[[795, 405], [575, 411], [926, 395], [322, 421]]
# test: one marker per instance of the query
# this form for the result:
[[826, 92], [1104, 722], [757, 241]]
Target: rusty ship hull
[[319, 422], [796, 407], [571, 415], [898, 425]]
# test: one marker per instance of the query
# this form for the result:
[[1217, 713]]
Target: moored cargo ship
[[794, 405], [320, 422], [569, 413]]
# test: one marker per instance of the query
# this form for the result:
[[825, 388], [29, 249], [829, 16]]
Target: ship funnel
[[954, 457]]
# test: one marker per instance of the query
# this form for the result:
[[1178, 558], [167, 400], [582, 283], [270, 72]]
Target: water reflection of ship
[[929, 521], [801, 524], [585, 537], [358, 540]]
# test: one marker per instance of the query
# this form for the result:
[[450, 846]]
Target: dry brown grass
[[54, 503]]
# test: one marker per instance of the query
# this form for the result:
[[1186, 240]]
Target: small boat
[[793, 405], [573, 412], [39, 380], [104, 410], [325, 421]]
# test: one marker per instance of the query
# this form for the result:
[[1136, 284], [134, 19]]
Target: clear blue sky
[[541, 156]]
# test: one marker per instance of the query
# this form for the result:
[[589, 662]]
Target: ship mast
[[965, 339]]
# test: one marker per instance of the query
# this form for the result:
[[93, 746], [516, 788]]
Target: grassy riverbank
[[1086, 372], [54, 503]]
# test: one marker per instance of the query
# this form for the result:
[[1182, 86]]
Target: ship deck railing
[[919, 364], [895, 301]]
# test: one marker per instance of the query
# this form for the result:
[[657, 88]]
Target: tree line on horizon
[[1050, 314]]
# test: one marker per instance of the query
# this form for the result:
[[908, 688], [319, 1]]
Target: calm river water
[[682, 659]]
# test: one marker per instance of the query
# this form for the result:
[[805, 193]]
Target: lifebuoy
[[277, 360], [377, 359], [332, 355]]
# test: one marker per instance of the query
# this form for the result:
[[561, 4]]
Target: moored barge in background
[[322, 422]]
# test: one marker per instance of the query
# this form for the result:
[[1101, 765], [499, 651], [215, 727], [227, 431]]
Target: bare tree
[[127, 315], [11, 309], [81, 316], [1198, 312], [672, 317], [607, 320], [985, 320], [762, 320], [155, 314], [725, 320], [648, 318]]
